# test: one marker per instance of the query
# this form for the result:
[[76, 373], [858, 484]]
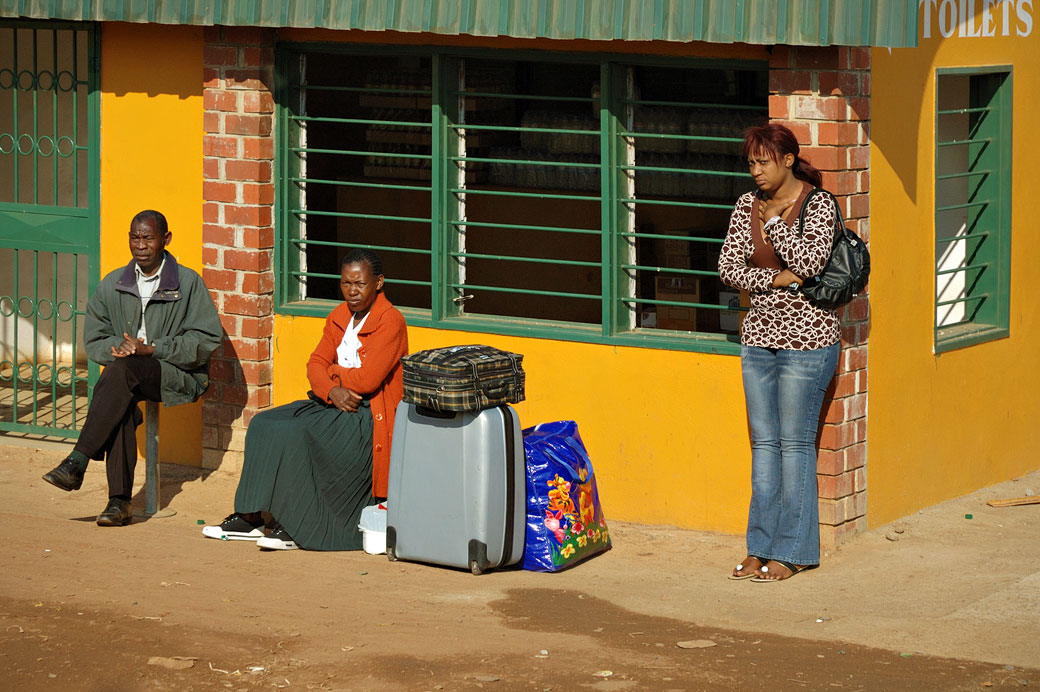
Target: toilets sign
[[976, 18]]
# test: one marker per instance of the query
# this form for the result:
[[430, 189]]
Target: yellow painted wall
[[151, 158], [941, 426], [666, 430]]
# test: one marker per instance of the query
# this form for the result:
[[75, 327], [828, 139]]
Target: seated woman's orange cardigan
[[384, 339]]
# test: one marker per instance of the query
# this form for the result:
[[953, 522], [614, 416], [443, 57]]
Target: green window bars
[[972, 206], [574, 197], [355, 162]]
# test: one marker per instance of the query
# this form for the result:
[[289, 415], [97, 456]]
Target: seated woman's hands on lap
[[345, 399]]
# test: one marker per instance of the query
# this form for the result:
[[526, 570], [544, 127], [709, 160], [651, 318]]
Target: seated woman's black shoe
[[119, 512], [67, 475], [278, 539]]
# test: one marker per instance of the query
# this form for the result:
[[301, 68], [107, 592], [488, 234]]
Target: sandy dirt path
[[950, 605]]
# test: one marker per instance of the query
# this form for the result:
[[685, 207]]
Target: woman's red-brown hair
[[777, 141]]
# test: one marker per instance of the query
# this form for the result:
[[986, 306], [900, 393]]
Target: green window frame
[[972, 205], [607, 279]]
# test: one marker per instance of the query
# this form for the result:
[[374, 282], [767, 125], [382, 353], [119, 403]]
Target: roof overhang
[[890, 23]]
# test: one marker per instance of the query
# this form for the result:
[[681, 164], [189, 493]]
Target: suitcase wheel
[[391, 544], [478, 561]]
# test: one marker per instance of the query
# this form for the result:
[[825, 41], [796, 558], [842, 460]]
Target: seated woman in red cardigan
[[313, 465]]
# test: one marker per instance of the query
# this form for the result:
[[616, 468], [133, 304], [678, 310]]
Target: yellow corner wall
[[941, 426], [151, 158], [665, 430]]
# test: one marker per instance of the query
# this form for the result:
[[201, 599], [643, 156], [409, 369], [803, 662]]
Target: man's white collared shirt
[[146, 286]]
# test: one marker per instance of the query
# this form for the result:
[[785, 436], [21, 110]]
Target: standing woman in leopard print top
[[789, 349]]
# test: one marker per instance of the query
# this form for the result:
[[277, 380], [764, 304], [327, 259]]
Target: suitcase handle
[[502, 387], [432, 410], [492, 390]]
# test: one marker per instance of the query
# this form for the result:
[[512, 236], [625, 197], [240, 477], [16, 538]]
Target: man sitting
[[152, 324]]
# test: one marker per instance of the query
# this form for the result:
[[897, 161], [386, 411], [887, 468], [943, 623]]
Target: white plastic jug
[[373, 528]]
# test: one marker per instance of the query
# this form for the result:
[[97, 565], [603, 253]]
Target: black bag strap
[[839, 222], [482, 397]]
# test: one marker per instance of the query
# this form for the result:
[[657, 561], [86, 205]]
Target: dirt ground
[[950, 605]]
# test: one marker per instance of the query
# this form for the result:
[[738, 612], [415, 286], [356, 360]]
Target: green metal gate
[[49, 237]]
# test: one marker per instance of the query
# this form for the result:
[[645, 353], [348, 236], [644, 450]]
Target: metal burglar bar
[[517, 194], [358, 171], [684, 129], [972, 203], [527, 232], [48, 224]]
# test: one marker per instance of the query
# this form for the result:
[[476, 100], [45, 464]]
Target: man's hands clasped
[[130, 346]]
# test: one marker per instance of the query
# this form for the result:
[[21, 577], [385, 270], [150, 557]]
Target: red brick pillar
[[238, 232], [823, 95]]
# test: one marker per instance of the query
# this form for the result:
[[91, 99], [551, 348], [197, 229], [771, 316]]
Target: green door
[[49, 237]]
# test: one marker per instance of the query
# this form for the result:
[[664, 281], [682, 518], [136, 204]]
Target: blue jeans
[[784, 391]]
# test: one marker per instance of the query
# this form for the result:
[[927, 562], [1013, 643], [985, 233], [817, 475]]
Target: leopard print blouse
[[778, 318]]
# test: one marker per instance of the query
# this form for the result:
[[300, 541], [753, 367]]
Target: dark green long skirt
[[310, 466]]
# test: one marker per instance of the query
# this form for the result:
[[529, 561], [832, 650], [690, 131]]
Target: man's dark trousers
[[113, 417]]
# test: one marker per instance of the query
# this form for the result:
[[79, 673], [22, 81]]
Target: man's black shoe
[[118, 513], [67, 475]]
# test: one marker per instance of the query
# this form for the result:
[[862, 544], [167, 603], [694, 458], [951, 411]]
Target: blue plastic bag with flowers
[[565, 521]]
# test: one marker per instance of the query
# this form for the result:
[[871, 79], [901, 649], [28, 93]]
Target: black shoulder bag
[[847, 269]]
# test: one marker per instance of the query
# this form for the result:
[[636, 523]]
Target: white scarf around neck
[[347, 351]]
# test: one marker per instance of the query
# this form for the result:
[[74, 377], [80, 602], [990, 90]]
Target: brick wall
[[238, 233], [823, 95]]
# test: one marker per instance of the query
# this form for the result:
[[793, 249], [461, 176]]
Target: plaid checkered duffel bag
[[463, 378]]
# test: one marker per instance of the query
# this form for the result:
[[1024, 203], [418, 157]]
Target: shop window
[[526, 232], [685, 173], [579, 198], [356, 169], [972, 206]]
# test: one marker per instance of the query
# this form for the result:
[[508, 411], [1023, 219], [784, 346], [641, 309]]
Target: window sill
[[722, 344], [965, 335]]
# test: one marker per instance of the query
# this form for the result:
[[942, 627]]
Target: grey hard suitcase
[[457, 494]]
